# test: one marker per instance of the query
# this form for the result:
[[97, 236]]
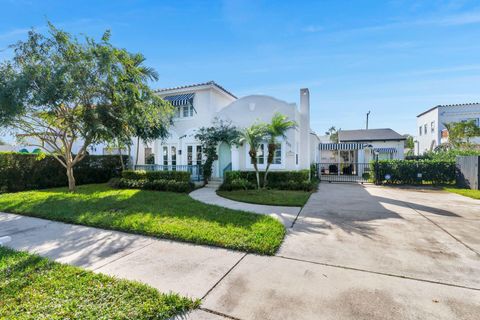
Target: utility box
[[468, 175]]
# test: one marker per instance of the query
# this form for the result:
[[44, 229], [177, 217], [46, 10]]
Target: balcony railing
[[196, 172]]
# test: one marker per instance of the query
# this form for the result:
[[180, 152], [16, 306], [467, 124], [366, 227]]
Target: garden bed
[[32, 287], [160, 214]]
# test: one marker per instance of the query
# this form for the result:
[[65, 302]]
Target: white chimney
[[304, 129]]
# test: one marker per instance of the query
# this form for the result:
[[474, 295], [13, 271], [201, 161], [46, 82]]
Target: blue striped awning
[[341, 146], [180, 99], [385, 150]]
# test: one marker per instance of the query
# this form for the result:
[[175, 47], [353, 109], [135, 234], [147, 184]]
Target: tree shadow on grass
[[152, 213]]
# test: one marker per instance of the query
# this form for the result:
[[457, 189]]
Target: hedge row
[[274, 177], [283, 180], [181, 176], [414, 172], [158, 185], [20, 171]]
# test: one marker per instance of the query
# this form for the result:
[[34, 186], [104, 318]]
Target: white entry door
[[169, 156], [194, 154]]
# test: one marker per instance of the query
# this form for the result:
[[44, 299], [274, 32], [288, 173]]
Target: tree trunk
[[129, 156], [271, 152], [257, 174], [138, 147], [121, 158], [253, 156], [71, 178]]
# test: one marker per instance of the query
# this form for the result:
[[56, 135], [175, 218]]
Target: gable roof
[[209, 83], [369, 135], [447, 105]]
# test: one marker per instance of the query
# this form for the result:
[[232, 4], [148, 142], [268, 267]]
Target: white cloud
[[461, 19], [14, 33], [312, 29]]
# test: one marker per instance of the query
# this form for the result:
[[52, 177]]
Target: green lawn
[[32, 287], [268, 197], [160, 214], [475, 194]]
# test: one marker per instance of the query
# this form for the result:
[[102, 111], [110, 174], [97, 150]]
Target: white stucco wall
[[425, 141], [211, 103], [250, 109]]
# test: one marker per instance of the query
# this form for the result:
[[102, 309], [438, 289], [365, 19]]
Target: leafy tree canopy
[[461, 133], [59, 90], [332, 132]]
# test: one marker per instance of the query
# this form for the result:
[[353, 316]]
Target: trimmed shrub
[[414, 172], [21, 171], [284, 180], [182, 176], [174, 181], [158, 185]]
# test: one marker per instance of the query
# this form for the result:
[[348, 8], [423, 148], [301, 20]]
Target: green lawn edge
[[164, 215], [285, 198], [474, 194], [33, 287]]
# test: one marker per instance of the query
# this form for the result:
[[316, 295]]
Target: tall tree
[[60, 91], [254, 136], [278, 127], [409, 142], [332, 132]]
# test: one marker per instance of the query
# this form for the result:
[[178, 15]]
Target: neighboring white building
[[7, 148], [198, 105], [31, 144], [430, 124], [356, 148], [361, 146]]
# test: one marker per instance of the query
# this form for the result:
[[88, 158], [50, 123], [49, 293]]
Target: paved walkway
[[285, 214], [356, 252]]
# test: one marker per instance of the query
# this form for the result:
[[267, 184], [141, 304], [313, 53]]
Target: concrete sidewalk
[[187, 269], [285, 214], [356, 252]]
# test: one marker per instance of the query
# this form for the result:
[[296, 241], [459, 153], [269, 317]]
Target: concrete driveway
[[365, 252], [354, 252]]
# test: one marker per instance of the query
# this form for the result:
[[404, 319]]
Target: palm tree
[[254, 135], [277, 128]]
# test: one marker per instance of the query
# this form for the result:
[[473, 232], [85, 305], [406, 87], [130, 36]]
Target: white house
[[26, 143], [199, 104], [431, 128], [356, 148], [361, 146]]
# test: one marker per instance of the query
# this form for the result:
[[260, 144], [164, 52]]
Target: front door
[[194, 154], [224, 158], [169, 157]]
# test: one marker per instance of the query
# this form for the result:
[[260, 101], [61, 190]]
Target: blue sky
[[395, 58]]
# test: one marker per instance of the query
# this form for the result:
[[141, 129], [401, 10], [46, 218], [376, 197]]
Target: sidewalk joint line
[[223, 277], [299, 212], [441, 228], [123, 256], [379, 273], [219, 313]]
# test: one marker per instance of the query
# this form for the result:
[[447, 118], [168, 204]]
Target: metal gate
[[344, 172]]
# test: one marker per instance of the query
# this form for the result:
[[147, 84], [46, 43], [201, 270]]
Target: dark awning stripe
[[385, 150], [341, 146], [180, 99]]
